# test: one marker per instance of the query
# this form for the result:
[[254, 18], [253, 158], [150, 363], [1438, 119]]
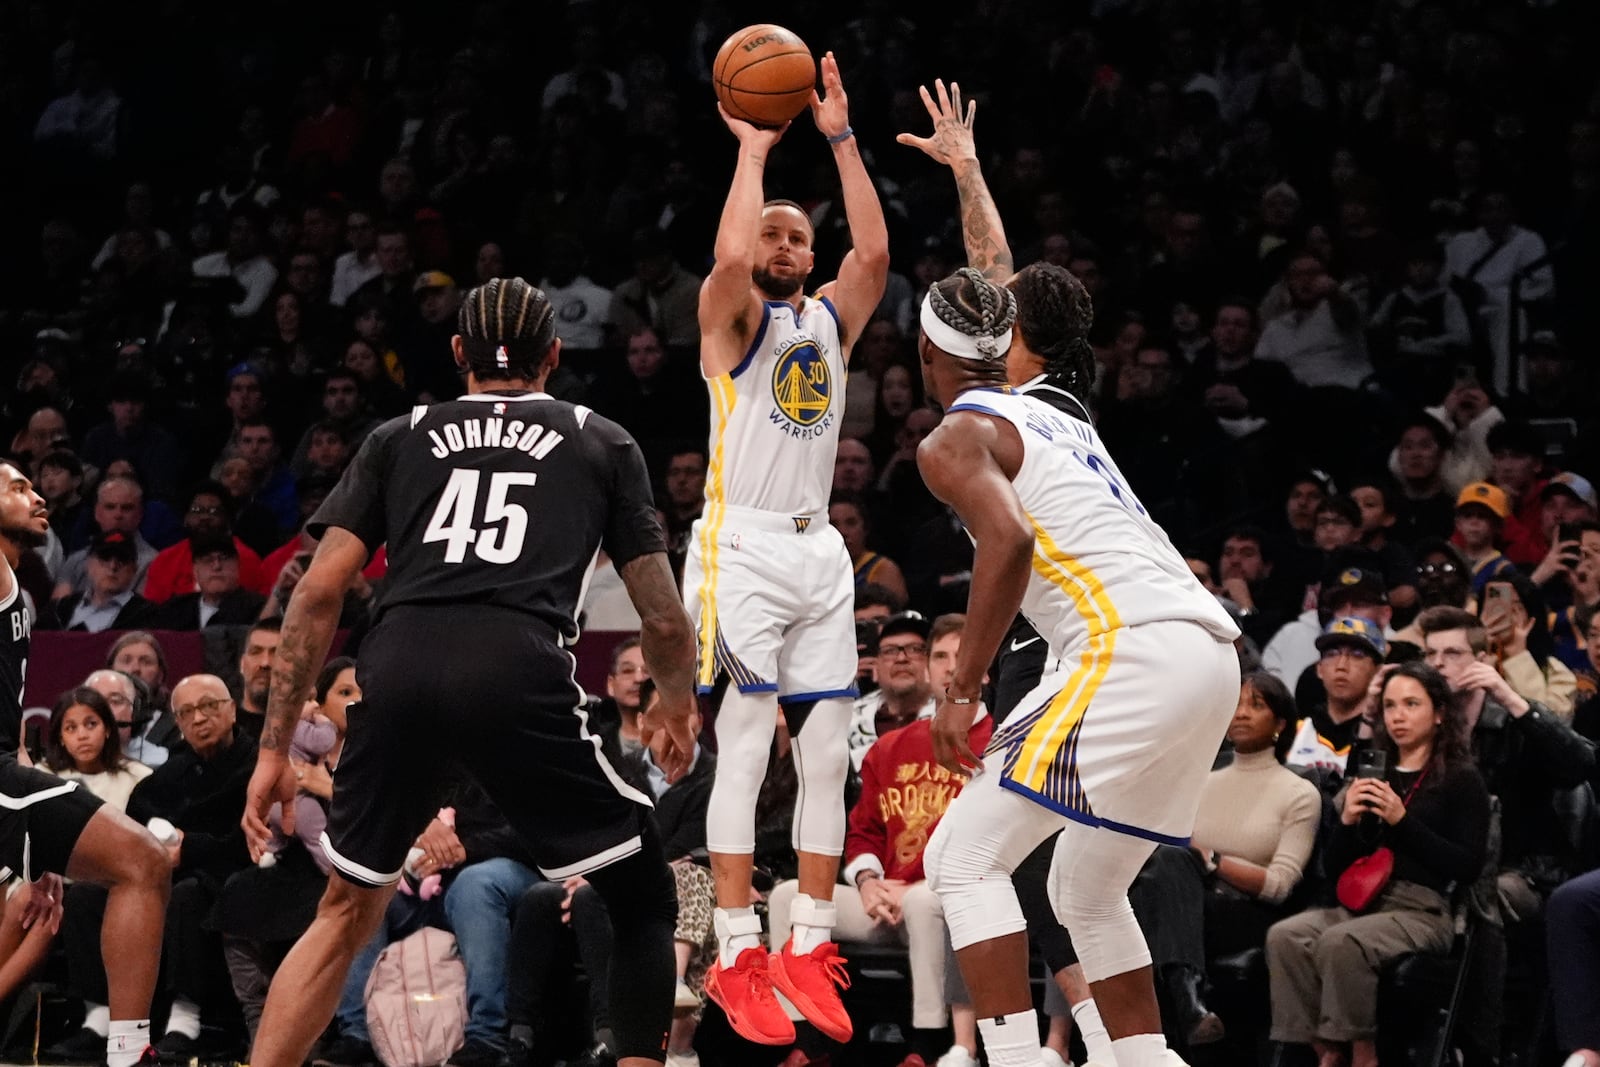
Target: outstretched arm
[[864, 274], [960, 465], [727, 306], [952, 144]]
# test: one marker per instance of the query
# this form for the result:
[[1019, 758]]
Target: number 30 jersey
[[497, 498], [775, 419], [1099, 561]]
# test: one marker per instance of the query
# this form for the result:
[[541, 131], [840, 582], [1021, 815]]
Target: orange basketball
[[764, 75]]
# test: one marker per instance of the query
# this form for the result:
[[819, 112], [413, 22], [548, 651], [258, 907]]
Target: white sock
[[737, 930], [1012, 1040], [811, 923], [1141, 1050], [184, 1018], [1096, 1042], [96, 1017], [126, 1041]]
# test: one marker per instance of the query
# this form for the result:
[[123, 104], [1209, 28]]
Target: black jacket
[[204, 799], [1527, 762], [238, 608], [136, 614], [681, 811]]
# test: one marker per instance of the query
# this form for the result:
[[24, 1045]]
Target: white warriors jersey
[[1099, 561], [775, 418]]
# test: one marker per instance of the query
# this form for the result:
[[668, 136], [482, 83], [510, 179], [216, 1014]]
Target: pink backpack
[[417, 1000]]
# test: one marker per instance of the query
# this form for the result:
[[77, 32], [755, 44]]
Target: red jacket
[[904, 794]]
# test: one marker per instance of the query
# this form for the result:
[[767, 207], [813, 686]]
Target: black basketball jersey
[[1023, 654], [498, 498], [15, 625]]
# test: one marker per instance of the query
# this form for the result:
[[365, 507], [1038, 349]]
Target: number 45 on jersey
[[453, 517]]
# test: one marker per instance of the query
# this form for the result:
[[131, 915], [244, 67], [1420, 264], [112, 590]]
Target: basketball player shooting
[[768, 580], [1102, 749]]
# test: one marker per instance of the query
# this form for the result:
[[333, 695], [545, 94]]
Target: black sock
[[930, 1044]]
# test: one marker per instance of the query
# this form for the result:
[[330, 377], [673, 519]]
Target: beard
[[23, 536], [782, 288]]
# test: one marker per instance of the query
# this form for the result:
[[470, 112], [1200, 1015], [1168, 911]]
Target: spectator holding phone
[[1418, 794], [1568, 502], [1514, 615]]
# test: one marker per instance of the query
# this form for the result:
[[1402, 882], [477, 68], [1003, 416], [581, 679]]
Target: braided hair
[[967, 302], [1054, 313], [507, 327]]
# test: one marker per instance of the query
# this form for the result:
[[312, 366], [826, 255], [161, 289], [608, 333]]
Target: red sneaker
[[744, 992], [812, 983]]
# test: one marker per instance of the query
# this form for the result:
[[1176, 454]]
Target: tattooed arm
[[308, 626], [952, 144]]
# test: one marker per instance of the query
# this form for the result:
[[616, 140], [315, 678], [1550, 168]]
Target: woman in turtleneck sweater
[[1253, 834]]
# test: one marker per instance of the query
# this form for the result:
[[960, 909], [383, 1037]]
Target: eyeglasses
[[1448, 655], [117, 700], [204, 509], [893, 652], [207, 706], [1436, 568]]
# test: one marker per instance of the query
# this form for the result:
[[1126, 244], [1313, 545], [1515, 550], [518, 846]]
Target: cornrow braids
[[507, 327], [1054, 313], [967, 302]]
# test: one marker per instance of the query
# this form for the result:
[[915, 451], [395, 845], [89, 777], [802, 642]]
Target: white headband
[[951, 340]]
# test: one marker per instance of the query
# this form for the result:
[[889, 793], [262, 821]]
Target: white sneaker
[[1049, 1057], [683, 998], [683, 1059], [957, 1057]]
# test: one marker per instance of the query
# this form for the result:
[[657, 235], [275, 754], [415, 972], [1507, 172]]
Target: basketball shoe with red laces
[[744, 992], [812, 983]]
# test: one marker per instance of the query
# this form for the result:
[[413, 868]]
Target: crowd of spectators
[[1341, 258]]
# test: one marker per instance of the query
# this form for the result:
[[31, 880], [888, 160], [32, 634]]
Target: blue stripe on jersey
[[825, 694], [837, 325], [755, 343], [973, 405]]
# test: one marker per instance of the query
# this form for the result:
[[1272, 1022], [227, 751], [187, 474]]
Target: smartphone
[[1371, 763], [1497, 593]]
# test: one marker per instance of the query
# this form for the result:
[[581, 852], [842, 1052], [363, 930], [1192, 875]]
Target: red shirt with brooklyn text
[[904, 794]]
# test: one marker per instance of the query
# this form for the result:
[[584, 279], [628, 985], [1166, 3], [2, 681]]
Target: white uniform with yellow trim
[[1124, 733], [767, 579]]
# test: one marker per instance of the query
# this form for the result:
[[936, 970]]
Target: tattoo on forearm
[[301, 649], [666, 634], [987, 250]]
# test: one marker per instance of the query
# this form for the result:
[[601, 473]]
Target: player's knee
[[974, 891]]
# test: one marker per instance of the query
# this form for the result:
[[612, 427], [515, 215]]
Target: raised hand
[[951, 140], [760, 138], [830, 111]]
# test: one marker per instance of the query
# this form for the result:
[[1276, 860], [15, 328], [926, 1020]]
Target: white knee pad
[[1089, 880], [975, 890], [744, 727], [821, 764]]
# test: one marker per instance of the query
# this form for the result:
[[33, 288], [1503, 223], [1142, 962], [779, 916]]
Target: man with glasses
[[50, 828], [1351, 650], [122, 692], [904, 693], [1531, 761], [111, 602], [357, 267], [209, 515]]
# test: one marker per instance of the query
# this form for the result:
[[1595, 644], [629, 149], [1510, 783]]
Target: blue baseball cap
[[1356, 632]]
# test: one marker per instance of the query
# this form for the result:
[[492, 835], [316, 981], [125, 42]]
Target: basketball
[[764, 75]]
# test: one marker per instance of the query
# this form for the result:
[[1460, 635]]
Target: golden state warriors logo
[[802, 384]]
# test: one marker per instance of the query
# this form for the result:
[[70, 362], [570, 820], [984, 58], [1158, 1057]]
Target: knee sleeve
[[821, 764], [744, 727], [974, 888], [641, 896], [1089, 882]]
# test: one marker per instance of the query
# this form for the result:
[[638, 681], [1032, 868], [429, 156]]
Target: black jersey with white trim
[[15, 628], [499, 498]]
